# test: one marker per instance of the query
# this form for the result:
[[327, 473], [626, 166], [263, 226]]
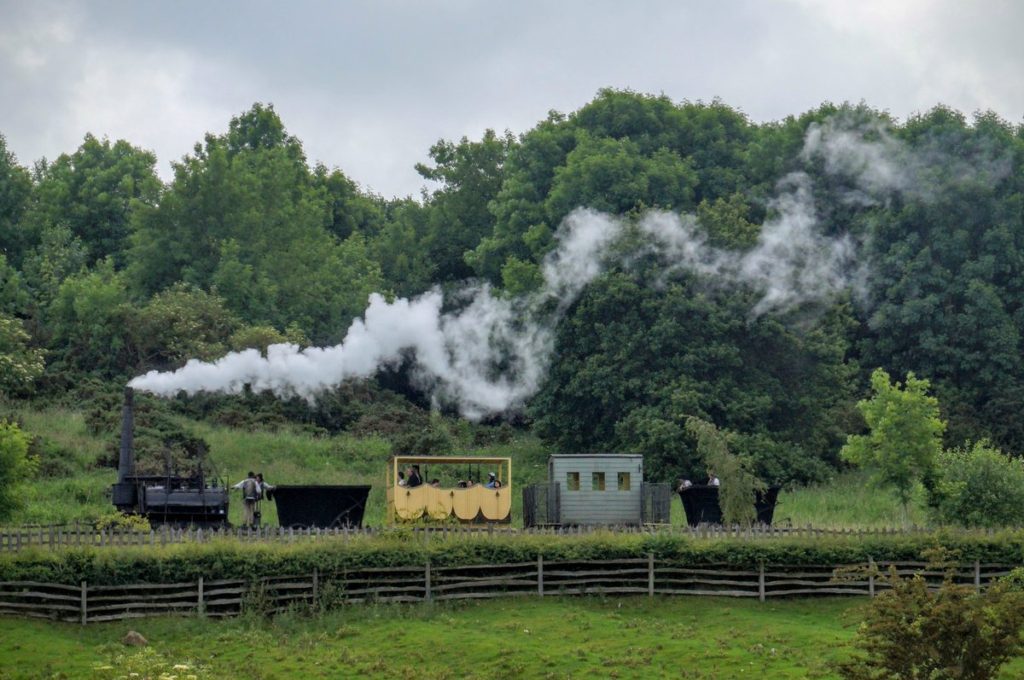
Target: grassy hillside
[[74, 486]]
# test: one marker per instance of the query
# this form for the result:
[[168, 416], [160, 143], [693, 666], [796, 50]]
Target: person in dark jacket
[[414, 478]]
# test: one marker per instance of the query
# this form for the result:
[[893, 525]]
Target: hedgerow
[[229, 559]]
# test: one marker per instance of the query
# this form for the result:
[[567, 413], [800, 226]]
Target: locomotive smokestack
[[126, 462]]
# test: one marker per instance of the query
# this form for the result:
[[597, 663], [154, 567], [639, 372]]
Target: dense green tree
[[92, 192], [349, 210], [634, 360], [470, 175], [519, 207], [246, 216], [948, 280], [58, 255], [251, 245], [15, 188], [20, 363], [623, 151], [178, 324], [399, 248], [87, 320], [14, 297]]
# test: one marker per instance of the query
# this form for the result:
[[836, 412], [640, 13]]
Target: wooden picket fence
[[84, 603], [75, 536]]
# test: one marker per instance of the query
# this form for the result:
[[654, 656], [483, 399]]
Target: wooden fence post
[[426, 582], [760, 582], [316, 584], [977, 575], [540, 574], [83, 606], [871, 577], [650, 574], [200, 605]]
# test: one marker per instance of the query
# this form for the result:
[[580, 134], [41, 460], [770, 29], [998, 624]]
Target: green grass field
[[553, 638], [292, 457]]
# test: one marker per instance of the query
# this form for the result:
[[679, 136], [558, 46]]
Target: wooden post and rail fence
[[85, 603]]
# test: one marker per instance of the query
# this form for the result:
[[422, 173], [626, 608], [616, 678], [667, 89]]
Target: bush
[[954, 633], [16, 465], [117, 521], [979, 486]]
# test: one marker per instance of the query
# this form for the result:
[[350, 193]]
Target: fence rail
[[83, 603], [73, 536]]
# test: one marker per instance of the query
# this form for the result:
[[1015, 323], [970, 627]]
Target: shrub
[[979, 486], [953, 633], [229, 559], [16, 465], [116, 521]]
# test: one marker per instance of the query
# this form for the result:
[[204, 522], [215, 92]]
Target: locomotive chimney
[[124, 493]]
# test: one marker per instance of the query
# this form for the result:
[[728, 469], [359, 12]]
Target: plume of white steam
[[455, 354], [791, 264], [491, 353], [879, 166]]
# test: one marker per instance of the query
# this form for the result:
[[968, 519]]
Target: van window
[[597, 481], [572, 481], [623, 481]]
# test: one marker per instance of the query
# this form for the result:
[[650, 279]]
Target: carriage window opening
[[598, 481], [623, 481], [572, 481]]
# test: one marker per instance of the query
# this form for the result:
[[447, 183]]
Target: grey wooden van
[[595, 489]]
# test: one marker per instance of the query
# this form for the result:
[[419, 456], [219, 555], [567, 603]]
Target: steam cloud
[[455, 355]]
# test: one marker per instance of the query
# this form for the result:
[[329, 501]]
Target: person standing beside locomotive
[[263, 490], [250, 487]]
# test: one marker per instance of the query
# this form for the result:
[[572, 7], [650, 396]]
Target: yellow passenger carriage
[[471, 490]]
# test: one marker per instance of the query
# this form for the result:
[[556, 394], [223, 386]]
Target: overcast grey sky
[[369, 86]]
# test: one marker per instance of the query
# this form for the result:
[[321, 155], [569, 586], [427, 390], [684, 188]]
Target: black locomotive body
[[168, 498]]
